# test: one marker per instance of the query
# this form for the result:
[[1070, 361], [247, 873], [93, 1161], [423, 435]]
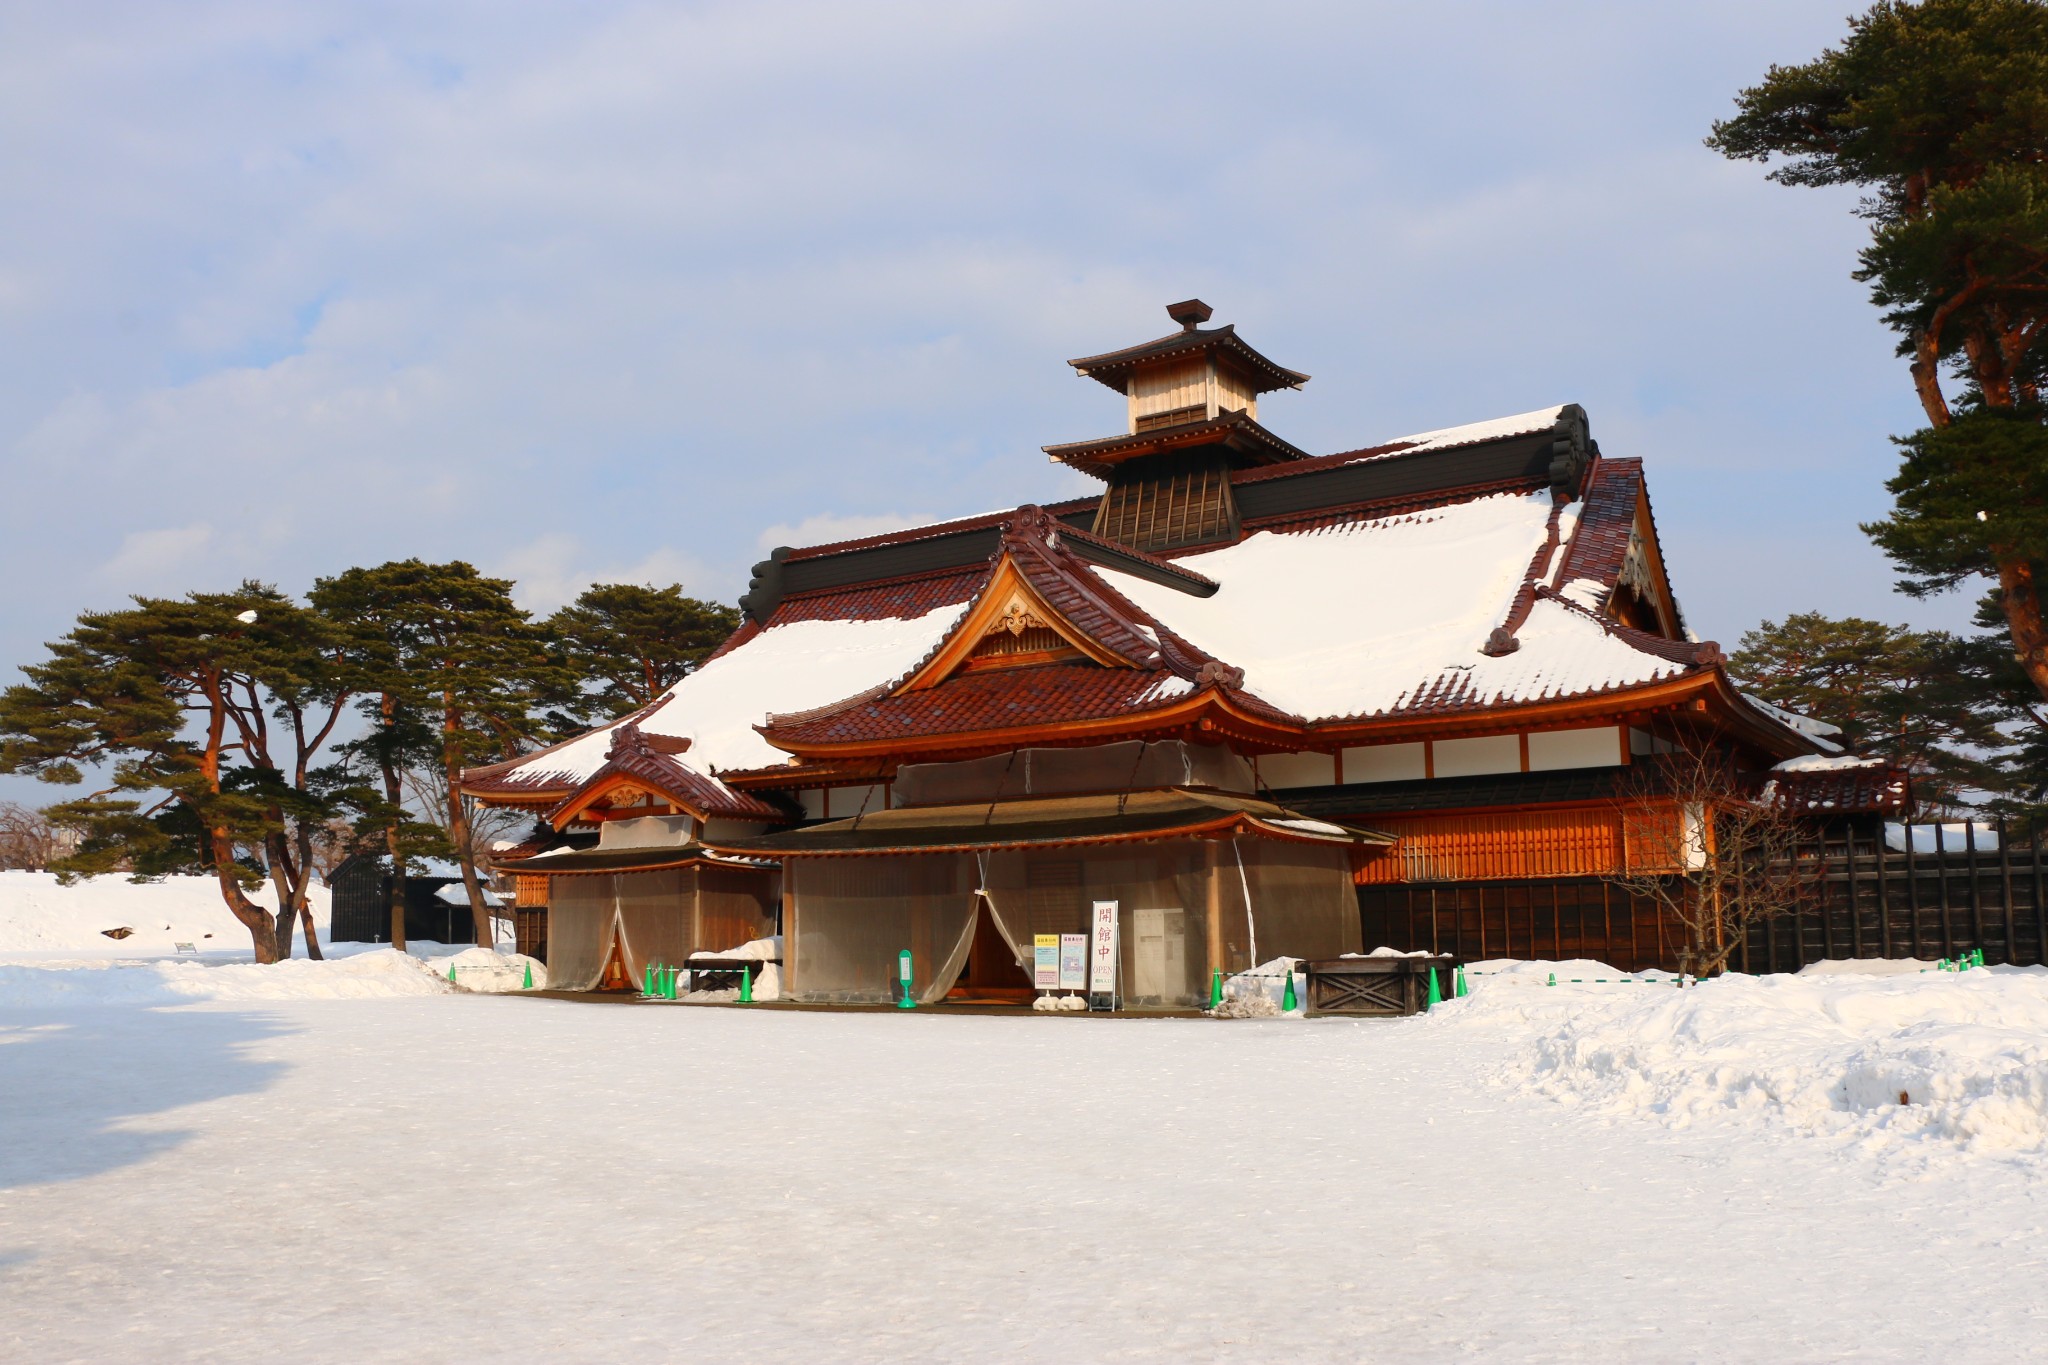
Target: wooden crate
[[1383, 986]]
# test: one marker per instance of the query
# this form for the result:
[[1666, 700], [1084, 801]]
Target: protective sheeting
[[652, 917], [852, 916], [581, 913], [1129, 766], [1181, 910]]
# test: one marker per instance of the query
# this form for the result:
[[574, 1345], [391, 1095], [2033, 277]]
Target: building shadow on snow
[[79, 1087]]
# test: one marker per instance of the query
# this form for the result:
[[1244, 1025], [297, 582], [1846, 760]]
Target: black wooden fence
[[1867, 900], [1875, 901]]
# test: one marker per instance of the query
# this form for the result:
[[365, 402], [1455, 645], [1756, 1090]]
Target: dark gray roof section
[[1559, 457], [1113, 368]]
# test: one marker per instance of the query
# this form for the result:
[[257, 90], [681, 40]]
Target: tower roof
[[1114, 368]]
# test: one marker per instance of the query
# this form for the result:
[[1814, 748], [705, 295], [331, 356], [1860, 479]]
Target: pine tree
[[208, 712], [629, 644], [460, 654], [1922, 700], [1939, 110]]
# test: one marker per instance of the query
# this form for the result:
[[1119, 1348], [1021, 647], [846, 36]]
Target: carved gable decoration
[[1011, 624]]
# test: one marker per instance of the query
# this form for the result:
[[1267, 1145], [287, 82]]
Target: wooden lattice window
[[1165, 503], [1003, 644]]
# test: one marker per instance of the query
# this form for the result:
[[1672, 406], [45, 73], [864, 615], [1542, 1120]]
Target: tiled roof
[[1843, 791], [1605, 523], [632, 755], [994, 699], [1113, 367]]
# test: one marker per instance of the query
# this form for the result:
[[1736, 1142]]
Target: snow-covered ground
[[39, 916], [1620, 1172], [354, 1160]]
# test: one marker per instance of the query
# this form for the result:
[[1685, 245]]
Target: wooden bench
[[731, 966], [1382, 986]]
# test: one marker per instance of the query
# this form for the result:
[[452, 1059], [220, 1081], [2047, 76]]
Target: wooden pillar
[[1212, 858], [788, 928], [2012, 948]]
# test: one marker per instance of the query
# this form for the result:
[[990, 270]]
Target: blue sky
[[604, 291]]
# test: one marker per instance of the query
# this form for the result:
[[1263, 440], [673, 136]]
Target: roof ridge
[[928, 531]]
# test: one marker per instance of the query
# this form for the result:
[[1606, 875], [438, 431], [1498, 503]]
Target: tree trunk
[[458, 825], [262, 929], [1926, 370], [397, 887], [312, 936], [280, 882], [2022, 602]]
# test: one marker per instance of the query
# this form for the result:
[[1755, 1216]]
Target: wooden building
[[1258, 697]]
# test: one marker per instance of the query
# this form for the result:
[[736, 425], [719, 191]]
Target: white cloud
[[147, 559], [827, 527], [553, 569]]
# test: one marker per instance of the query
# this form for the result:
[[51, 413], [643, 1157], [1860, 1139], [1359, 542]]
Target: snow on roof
[[1823, 763], [1521, 424], [1374, 616], [784, 668], [1816, 730]]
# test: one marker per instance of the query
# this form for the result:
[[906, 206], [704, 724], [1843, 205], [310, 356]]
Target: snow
[[1400, 609], [1902, 1072], [794, 667], [1585, 592], [1817, 730], [1825, 763], [767, 982], [1522, 423], [1956, 837], [39, 916], [1568, 1173]]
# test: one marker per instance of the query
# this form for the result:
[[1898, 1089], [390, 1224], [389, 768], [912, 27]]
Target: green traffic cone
[[529, 978], [1288, 1003], [669, 987], [746, 987], [1436, 994], [1458, 983], [1552, 981], [1216, 989], [647, 979], [451, 973]]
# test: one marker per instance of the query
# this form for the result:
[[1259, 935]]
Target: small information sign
[[1073, 962], [1045, 961], [1102, 951]]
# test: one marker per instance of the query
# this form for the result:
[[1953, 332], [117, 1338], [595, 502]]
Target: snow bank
[[39, 916], [381, 973], [484, 971], [1909, 1067]]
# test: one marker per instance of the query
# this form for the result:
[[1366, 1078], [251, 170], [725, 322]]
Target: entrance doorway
[[991, 974]]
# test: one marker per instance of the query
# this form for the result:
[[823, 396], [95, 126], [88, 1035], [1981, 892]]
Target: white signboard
[[1102, 950], [1073, 962], [1045, 961]]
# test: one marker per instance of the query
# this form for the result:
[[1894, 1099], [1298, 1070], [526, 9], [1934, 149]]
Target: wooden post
[[1827, 915], [1976, 892], [1948, 927], [1855, 904], [1912, 888], [1884, 904], [2040, 912], [2012, 951], [788, 928], [1211, 857]]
